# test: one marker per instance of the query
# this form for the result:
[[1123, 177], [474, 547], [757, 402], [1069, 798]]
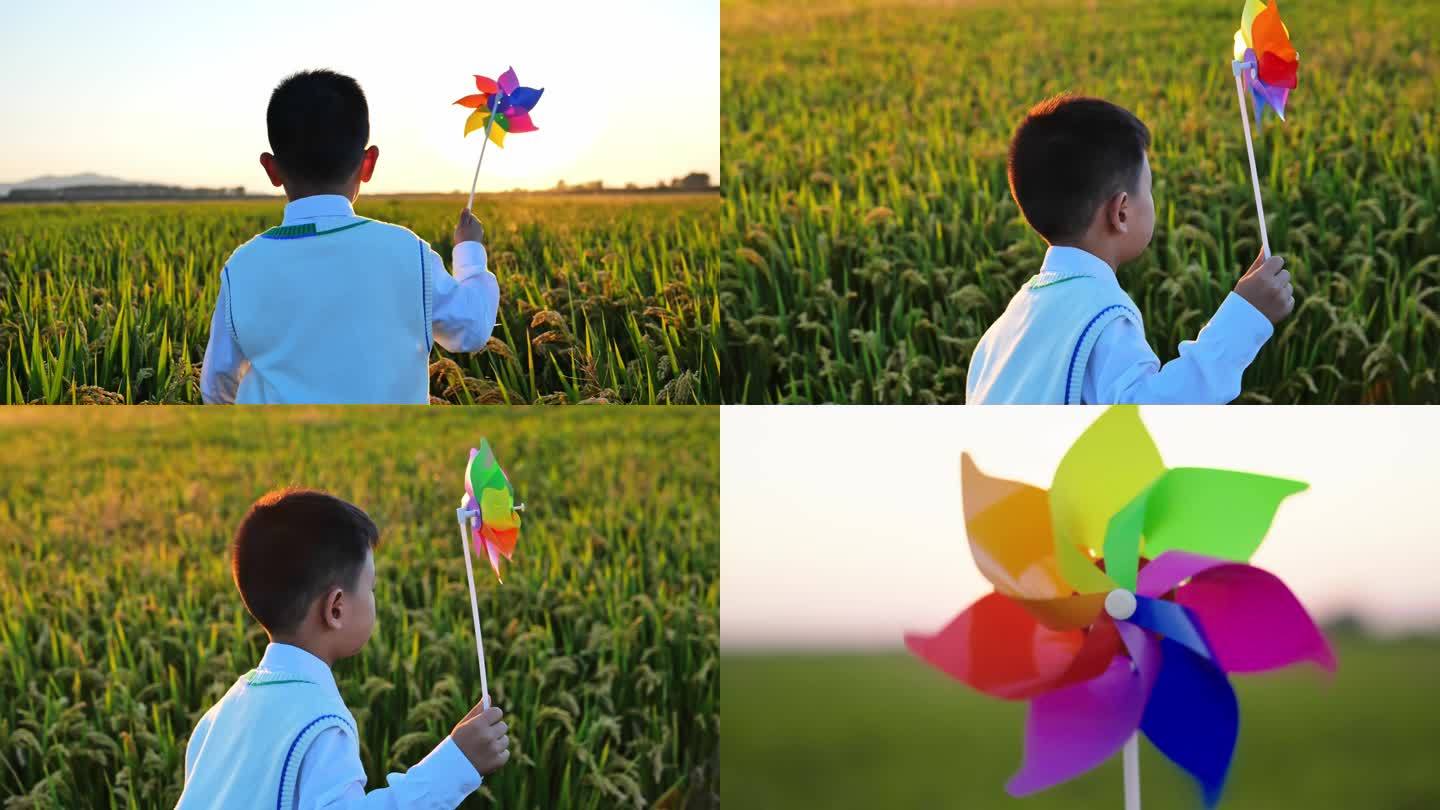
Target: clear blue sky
[[176, 91]]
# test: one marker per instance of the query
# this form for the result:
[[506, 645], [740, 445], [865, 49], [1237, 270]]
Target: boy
[[329, 306], [282, 736], [1079, 173]]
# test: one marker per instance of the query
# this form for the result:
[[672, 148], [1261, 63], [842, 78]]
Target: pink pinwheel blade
[[494, 560], [507, 81], [1252, 621], [519, 121], [1072, 730]]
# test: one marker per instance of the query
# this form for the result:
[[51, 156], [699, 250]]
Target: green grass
[[871, 237], [119, 624], [856, 731], [600, 297]]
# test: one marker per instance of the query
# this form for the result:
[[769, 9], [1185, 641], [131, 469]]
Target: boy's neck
[[1094, 248], [312, 648], [302, 193]]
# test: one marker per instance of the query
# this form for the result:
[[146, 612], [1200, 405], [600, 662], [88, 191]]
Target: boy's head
[[319, 125], [1079, 173], [304, 563]]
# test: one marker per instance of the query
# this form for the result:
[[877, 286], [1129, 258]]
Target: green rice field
[[120, 625], [871, 237], [608, 299], [853, 732]]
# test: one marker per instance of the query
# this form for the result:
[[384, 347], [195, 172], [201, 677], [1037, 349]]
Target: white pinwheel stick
[[488, 124], [1239, 67], [1121, 605], [463, 516]]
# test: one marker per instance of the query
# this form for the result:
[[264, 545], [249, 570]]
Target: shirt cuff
[[448, 756], [1240, 324], [468, 259]]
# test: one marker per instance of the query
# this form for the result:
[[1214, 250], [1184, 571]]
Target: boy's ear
[[332, 610], [272, 169], [367, 163], [1117, 212]]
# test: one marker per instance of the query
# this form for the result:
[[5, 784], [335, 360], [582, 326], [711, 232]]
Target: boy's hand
[[481, 736], [469, 228], [1267, 287]]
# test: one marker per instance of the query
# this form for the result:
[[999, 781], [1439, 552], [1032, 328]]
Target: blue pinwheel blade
[[1193, 717], [524, 97], [1174, 622]]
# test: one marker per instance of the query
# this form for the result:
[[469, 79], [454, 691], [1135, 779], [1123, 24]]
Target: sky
[[175, 92], [808, 563]]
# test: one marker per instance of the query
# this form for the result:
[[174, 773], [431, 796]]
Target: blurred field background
[[601, 298], [119, 623], [851, 730], [871, 236]]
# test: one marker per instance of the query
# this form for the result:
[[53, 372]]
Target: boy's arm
[[332, 778], [196, 742], [464, 304], [224, 363], [1123, 367]]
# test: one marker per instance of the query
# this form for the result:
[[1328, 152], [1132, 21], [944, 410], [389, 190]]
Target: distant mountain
[[54, 181]]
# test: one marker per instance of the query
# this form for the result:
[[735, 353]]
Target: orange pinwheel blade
[[474, 101], [1270, 36], [502, 539], [1066, 613], [1008, 523]]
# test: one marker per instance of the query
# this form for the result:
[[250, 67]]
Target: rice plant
[[119, 624]]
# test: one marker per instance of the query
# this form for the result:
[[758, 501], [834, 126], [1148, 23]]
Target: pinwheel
[[504, 102], [1266, 63], [1105, 641], [487, 514]]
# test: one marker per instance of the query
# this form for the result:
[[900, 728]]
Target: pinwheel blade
[[473, 101], [1173, 622], [1071, 730], [487, 85], [475, 121], [1113, 461], [524, 98], [1252, 622], [507, 81], [1193, 718], [1008, 525], [518, 121], [999, 649]]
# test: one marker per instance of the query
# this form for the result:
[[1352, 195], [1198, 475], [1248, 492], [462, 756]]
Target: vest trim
[[285, 769], [1075, 352], [307, 229]]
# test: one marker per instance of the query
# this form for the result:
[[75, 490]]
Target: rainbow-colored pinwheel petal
[[1264, 42], [498, 529], [504, 99], [1200, 611]]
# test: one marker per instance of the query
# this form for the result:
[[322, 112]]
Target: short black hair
[[291, 547], [319, 126], [1069, 155]]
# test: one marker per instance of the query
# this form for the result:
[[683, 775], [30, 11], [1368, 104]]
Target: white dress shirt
[[462, 316], [1123, 367], [331, 776]]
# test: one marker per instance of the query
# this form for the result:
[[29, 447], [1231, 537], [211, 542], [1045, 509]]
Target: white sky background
[[175, 92], [805, 563]]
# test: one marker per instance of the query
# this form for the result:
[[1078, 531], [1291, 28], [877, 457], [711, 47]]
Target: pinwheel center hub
[[1120, 604]]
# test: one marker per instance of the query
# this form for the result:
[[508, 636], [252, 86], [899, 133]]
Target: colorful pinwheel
[[1263, 44], [497, 526], [1103, 641], [502, 101]]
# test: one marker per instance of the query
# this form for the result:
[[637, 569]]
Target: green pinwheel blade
[[1218, 513]]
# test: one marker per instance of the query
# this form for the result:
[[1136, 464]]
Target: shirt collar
[[292, 660], [319, 205], [1062, 262]]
